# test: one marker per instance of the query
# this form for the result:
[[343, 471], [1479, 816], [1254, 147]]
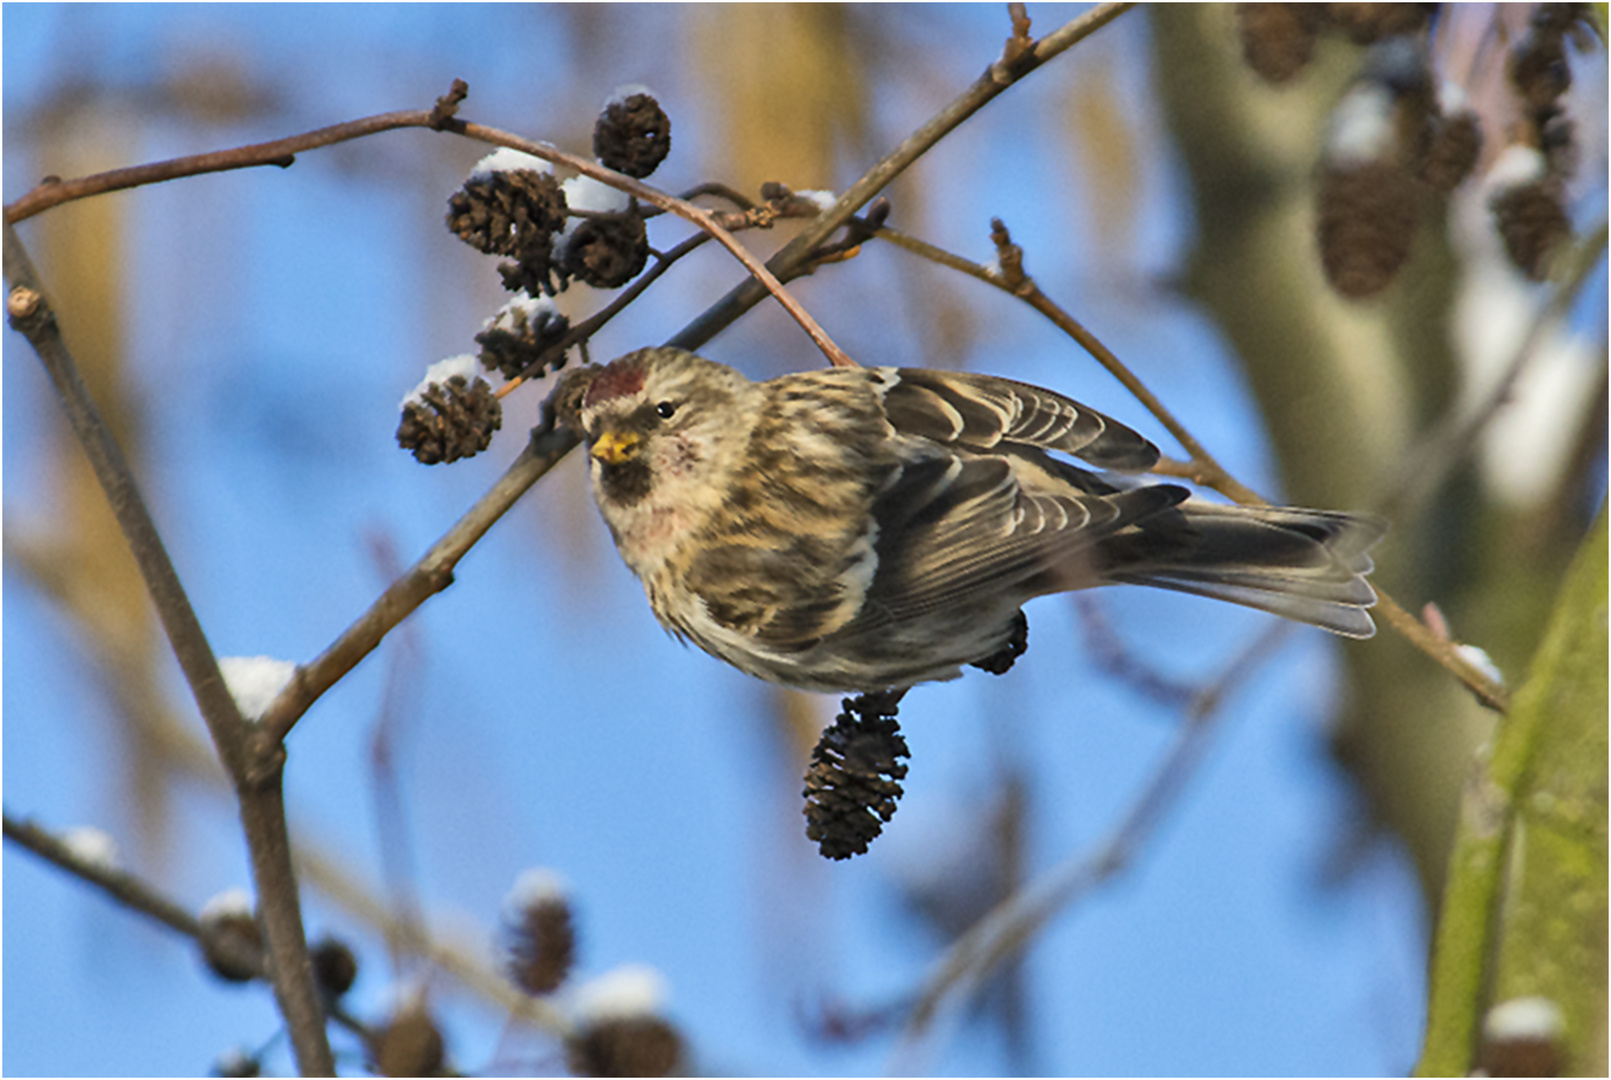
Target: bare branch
[[280, 152], [126, 888], [255, 765], [796, 255]]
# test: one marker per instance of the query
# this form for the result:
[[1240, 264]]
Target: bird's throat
[[625, 484]]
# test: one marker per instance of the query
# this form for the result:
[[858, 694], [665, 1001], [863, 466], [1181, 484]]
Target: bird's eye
[[665, 409]]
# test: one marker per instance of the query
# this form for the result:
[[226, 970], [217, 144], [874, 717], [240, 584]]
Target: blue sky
[[272, 320]]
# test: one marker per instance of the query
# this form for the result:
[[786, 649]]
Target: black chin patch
[[626, 483]]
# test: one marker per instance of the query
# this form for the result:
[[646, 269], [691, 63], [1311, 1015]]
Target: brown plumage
[[860, 529]]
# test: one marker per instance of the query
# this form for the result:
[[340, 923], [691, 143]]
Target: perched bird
[[867, 529]]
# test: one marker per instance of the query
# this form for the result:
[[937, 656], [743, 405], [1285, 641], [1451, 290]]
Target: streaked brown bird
[[867, 529]]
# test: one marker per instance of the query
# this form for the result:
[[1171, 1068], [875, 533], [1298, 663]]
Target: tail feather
[[1308, 565]]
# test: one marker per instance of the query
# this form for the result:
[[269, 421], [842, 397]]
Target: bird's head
[[663, 422]]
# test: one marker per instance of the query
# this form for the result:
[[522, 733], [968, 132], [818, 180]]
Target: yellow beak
[[614, 447]]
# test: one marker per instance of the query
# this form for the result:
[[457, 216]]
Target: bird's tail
[[1308, 565]]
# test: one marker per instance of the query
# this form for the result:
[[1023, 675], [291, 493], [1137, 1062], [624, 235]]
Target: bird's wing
[[982, 411], [971, 529]]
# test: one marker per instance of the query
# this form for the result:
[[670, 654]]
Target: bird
[[867, 529]]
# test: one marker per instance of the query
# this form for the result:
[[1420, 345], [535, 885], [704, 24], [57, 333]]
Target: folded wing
[[982, 411]]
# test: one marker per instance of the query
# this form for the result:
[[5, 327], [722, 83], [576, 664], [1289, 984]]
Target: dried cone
[[1366, 24], [409, 1045], [1277, 39], [1538, 67], [541, 942], [608, 252], [450, 421], [1451, 152], [632, 136], [852, 783], [1533, 223], [1367, 222], [335, 968], [231, 939], [625, 1046], [508, 212], [520, 335]]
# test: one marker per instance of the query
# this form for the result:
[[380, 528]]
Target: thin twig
[[1103, 645], [795, 256], [279, 152], [720, 191], [1015, 921], [255, 766], [127, 889], [1443, 650]]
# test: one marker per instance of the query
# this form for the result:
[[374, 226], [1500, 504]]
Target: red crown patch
[[618, 379]]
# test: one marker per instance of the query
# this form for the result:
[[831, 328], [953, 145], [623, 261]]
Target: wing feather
[[982, 411], [964, 529]]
